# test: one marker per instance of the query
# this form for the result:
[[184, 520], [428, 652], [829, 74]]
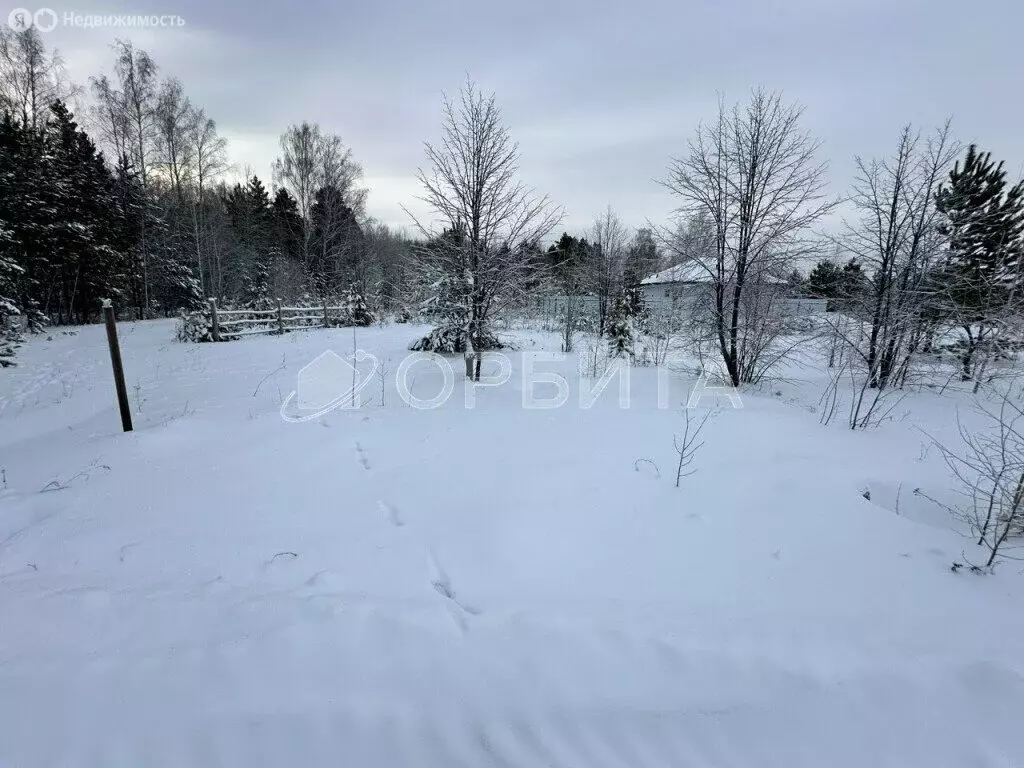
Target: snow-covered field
[[494, 586]]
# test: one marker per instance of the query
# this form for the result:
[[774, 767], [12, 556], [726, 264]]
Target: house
[[693, 279], [679, 289]]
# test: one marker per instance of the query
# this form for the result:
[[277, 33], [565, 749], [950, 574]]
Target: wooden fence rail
[[228, 324]]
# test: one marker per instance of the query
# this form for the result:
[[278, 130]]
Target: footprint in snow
[[443, 586], [361, 455], [391, 513]]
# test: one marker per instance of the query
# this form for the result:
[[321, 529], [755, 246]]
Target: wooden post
[[280, 318], [115, 361], [325, 314], [213, 316]]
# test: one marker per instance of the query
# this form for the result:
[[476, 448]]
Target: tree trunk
[[966, 360]]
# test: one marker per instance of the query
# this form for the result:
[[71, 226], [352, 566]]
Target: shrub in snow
[[8, 343], [451, 341], [593, 362], [194, 327], [989, 466], [10, 331], [447, 307]]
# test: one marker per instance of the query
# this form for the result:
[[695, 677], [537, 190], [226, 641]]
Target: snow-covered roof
[[694, 272]]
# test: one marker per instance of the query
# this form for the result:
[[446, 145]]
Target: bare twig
[[687, 446], [638, 462], [279, 368]]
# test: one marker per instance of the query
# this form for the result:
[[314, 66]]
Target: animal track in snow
[[392, 514], [443, 586], [361, 454]]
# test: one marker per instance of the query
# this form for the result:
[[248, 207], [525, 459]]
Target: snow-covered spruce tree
[[621, 330], [446, 306], [473, 188], [324, 179], [356, 311], [570, 273], [633, 297], [979, 283], [256, 285], [9, 271]]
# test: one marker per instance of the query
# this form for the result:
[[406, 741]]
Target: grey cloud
[[599, 94]]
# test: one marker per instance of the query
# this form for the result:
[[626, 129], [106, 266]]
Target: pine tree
[[635, 306], [256, 285], [9, 309], [287, 226], [621, 330], [567, 265], [356, 311], [131, 209], [26, 213], [795, 280], [837, 284], [984, 223], [85, 229], [174, 286], [251, 264], [852, 283], [338, 245], [825, 280], [642, 257], [446, 302]]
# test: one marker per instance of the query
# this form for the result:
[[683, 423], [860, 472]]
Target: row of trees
[[934, 261], [602, 269], [137, 208], [934, 246], [129, 200]]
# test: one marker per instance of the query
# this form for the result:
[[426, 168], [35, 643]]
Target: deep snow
[[495, 586]]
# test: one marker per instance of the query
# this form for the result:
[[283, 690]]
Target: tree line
[[128, 200], [931, 251], [137, 208], [939, 250]]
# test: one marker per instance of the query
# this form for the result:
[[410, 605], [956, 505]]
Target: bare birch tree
[[897, 241], [753, 172], [31, 78], [136, 101], [340, 204], [209, 153], [320, 173], [473, 189], [608, 242], [174, 121]]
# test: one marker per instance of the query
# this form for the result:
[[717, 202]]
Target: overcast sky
[[599, 94]]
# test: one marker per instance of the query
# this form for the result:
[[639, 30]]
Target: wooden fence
[[230, 324], [554, 306]]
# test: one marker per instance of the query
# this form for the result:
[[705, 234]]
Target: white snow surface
[[475, 587]]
